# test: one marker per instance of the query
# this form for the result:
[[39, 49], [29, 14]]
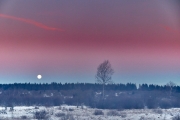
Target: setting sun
[[39, 76]]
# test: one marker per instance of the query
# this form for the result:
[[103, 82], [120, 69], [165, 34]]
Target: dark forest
[[117, 96]]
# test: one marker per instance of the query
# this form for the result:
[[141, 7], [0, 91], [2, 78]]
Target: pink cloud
[[168, 28], [40, 25]]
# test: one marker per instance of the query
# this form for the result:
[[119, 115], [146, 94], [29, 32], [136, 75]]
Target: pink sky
[[61, 39]]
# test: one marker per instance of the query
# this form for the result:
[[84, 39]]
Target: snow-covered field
[[65, 112]]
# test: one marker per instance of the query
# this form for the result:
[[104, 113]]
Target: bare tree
[[104, 73]]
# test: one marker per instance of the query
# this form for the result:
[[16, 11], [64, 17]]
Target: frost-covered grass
[[65, 112]]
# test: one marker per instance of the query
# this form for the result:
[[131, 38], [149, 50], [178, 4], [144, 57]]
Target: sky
[[65, 41]]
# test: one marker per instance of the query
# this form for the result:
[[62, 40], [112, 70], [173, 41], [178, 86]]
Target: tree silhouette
[[104, 73]]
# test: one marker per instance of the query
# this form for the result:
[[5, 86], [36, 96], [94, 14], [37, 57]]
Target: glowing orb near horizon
[[39, 76]]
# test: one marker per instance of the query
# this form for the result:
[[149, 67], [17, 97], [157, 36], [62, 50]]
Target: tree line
[[66, 86], [86, 86], [116, 96]]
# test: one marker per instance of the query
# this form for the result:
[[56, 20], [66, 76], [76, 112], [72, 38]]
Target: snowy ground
[[65, 112]]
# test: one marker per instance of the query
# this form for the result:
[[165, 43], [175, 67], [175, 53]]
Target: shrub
[[82, 107], [3, 112], [60, 114], [41, 115], [11, 109], [59, 108], [142, 118], [177, 117], [24, 117], [68, 117], [71, 109], [158, 111], [123, 114], [113, 113], [65, 109], [98, 112]]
